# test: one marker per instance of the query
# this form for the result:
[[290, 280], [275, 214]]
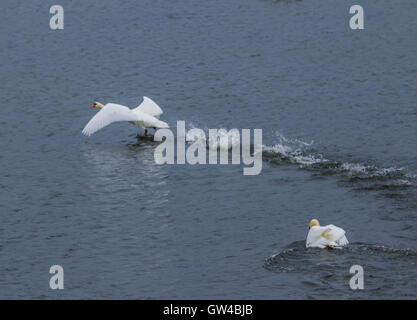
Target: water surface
[[339, 118]]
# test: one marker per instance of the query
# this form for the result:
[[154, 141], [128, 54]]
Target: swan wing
[[110, 113], [343, 241], [333, 233], [149, 107]]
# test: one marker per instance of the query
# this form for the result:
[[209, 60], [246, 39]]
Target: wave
[[297, 258], [226, 140], [299, 152], [295, 151], [388, 272]]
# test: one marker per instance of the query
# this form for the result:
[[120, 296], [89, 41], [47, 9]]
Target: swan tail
[[161, 124]]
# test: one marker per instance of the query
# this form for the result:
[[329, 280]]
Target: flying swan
[[146, 115], [326, 236]]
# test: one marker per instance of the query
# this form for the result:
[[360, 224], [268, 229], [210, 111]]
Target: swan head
[[97, 105], [313, 223]]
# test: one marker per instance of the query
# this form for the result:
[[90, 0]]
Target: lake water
[[338, 112]]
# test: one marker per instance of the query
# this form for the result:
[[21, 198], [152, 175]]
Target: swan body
[[146, 115], [325, 236]]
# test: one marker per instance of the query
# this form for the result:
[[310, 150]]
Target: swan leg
[[146, 132]]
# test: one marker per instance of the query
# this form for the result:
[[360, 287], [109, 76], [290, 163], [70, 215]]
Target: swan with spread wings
[[146, 115]]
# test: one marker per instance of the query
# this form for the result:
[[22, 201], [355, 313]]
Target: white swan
[[326, 236], [146, 115]]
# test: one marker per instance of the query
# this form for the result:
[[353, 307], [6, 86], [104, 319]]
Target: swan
[[146, 115], [326, 236]]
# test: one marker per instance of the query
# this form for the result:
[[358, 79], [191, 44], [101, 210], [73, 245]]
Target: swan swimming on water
[[146, 115], [326, 236]]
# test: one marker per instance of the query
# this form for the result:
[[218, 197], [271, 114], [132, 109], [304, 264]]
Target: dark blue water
[[339, 117]]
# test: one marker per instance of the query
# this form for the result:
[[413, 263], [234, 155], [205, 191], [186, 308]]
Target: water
[[338, 112]]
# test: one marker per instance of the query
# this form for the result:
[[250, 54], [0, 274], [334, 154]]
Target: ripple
[[385, 268]]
